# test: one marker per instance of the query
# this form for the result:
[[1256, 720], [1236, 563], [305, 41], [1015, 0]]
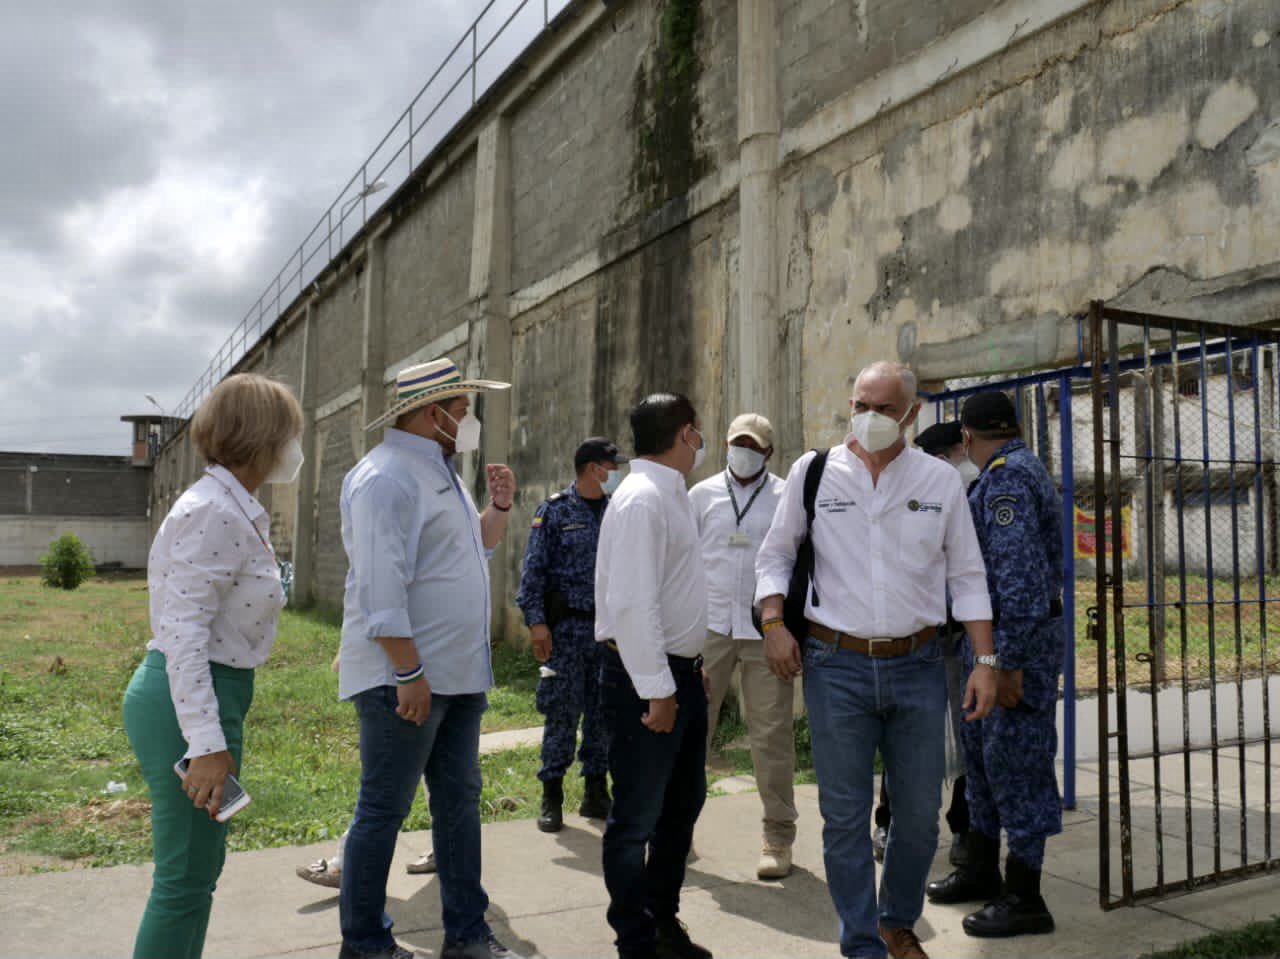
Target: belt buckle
[[871, 644]]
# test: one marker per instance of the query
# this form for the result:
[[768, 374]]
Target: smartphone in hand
[[234, 797]]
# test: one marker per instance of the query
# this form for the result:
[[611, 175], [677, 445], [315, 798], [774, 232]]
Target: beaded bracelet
[[409, 675]]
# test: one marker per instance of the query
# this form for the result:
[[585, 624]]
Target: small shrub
[[68, 563]]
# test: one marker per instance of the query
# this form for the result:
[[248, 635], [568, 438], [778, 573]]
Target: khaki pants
[[767, 707]]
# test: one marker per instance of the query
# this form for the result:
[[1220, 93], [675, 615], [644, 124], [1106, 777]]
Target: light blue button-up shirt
[[418, 567]]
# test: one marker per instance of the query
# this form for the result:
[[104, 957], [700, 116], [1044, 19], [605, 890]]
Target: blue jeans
[[857, 705], [394, 756], [659, 786]]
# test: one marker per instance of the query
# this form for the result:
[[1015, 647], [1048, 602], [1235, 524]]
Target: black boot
[[595, 798], [978, 879], [1019, 912], [674, 942], [552, 817]]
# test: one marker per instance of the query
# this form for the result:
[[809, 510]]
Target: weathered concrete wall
[[829, 48], [68, 484], [112, 540], [959, 231], [339, 323], [337, 439], [941, 183], [102, 499], [657, 319], [428, 262]]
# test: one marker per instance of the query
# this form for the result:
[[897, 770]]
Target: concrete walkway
[[548, 898]]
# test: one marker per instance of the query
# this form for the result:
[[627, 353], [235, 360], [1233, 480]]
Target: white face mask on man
[[466, 438], [875, 431], [612, 478], [968, 471], [286, 468], [699, 451], [745, 462]]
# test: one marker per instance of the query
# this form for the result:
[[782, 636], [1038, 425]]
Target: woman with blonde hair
[[215, 598]]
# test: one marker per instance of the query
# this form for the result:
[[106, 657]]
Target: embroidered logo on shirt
[[537, 521], [836, 505], [1003, 509], [918, 507]]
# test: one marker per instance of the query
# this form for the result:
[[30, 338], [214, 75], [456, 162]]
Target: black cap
[[992, 410], [940, 437], [597, 449]]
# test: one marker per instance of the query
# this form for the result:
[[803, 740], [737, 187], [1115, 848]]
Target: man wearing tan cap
[[733, 510]]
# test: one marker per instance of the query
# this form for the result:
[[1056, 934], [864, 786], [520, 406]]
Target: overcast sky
[[161, 161]]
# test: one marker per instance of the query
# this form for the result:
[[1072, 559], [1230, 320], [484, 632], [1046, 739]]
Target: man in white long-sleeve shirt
[[733, 510], [892, 534], [651, 616]]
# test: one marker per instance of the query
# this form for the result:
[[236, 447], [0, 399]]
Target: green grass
[[65, 660], [1258, 940], [728, 746], [1211, 631]]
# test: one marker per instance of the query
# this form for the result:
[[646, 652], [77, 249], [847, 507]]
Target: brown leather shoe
[[902, 944]]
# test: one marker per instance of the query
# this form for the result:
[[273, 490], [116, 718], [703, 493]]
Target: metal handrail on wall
[[316, 251]]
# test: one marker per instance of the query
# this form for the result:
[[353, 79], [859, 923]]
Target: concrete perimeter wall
[[747, 200]]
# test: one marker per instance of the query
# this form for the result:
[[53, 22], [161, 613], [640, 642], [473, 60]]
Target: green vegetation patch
[[1258, 940]]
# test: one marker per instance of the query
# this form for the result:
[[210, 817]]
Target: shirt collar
[[1016, 443], [252, 508], [758, 481], [861, 468], [662, 476], [419, 445]]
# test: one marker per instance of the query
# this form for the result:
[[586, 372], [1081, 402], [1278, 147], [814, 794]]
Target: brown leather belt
[[879, 648]]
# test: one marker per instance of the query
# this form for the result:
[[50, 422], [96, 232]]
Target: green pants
[[189, 847]]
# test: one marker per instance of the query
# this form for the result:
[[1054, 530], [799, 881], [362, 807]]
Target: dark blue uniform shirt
[[1018, 516], [560, 555]]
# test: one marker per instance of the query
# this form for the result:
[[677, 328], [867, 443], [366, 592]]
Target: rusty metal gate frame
[[1193, 343]]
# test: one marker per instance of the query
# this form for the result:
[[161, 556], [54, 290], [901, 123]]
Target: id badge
[[739, 539]]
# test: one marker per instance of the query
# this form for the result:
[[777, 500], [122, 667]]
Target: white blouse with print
[[215, 597]]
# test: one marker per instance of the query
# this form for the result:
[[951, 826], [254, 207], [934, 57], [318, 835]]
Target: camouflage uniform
[[1012, 782], [561, 559]]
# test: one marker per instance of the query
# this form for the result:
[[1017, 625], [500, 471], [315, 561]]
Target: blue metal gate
[[1171, 518], [1031, 396]]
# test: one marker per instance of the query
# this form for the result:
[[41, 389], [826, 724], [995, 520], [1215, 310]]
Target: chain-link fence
[[1198, 505]]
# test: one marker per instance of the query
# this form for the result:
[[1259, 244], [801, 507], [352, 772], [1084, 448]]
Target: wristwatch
[[991, 659]]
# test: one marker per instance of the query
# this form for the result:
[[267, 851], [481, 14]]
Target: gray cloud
[[161, 162]]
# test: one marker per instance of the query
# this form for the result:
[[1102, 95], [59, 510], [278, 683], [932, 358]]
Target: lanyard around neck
[[740, 515]]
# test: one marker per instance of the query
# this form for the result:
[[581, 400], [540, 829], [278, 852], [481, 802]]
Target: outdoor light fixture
[[377, 186]]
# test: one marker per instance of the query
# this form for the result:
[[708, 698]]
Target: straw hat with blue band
[[430, 383]]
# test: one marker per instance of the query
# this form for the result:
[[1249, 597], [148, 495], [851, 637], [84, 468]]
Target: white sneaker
[[423, 864], [323, 872], [775, 862]]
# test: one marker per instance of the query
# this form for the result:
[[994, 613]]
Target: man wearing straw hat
[[415, 654]]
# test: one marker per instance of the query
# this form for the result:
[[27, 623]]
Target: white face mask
[[286, 468], [968, 472], [467, 437], [699, 451], [875, 431], [743, 462], [612, 478]]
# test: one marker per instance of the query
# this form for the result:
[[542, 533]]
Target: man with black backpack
[[877, 535]]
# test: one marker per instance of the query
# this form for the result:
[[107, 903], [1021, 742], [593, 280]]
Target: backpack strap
[[812, 479]]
